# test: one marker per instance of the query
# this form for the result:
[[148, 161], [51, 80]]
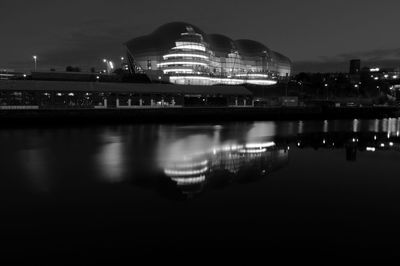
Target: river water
[[309, 189]]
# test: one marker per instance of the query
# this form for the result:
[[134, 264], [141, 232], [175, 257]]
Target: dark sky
[[318, 35]]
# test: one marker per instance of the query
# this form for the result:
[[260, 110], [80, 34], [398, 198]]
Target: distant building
[[355, 66], [9, 74], [378, 73], [182, 53]]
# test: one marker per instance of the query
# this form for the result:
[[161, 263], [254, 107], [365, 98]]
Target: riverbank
[[174, 115]]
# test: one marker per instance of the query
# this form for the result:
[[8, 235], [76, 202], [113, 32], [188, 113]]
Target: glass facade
[[182, 54]]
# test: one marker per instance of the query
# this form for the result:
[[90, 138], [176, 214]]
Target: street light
[[105, 61], [35, 60], [109, 65]]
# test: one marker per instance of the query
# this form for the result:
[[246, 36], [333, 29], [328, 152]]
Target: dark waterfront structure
[[182, 53], [29, 94]]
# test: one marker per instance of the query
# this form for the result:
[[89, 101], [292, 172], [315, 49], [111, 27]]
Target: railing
[[19, 107]]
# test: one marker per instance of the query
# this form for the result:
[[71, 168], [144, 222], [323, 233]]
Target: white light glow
[[211, 81], [372, 149], [189, 46], [185, 55], [374, 69], [253, 151], [260, 145], [185, 173], [178, 70], [261, 82], [252, 75], [181, 63], [189, 181]]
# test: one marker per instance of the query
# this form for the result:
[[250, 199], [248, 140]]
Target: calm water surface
[[266, 189]]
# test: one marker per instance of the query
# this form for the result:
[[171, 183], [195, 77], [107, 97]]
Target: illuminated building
[[182, 53]]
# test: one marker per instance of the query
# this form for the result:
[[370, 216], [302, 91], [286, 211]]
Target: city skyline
[[317, 35]]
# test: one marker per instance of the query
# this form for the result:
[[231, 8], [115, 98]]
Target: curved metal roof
[[221, 44], [251, 48], [281, 58], [162, 39]]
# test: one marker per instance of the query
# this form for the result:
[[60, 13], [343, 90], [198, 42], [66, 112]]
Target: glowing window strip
[[224, 80], [166, 71], [253, 151], [260, 145], [181, 63], [190, 165], [180, 43], [189, 181], [253, 75], [261, 82], [190, 47], [185, 173], [185, 55]]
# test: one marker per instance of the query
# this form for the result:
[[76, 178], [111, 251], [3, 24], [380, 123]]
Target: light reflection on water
[[110, 159], [134, 188], [191, 157], [35, 166]]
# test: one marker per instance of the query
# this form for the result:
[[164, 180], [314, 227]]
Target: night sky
[[318, 35]]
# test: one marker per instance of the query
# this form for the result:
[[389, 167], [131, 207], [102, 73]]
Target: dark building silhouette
[[355, 66]]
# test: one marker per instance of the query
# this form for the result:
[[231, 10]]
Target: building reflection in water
[[210, 159], [352, 142], [193, 159], [110, 159], [300, 127], [356, 125], [196, 162], [262, 130], [36, 166]]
